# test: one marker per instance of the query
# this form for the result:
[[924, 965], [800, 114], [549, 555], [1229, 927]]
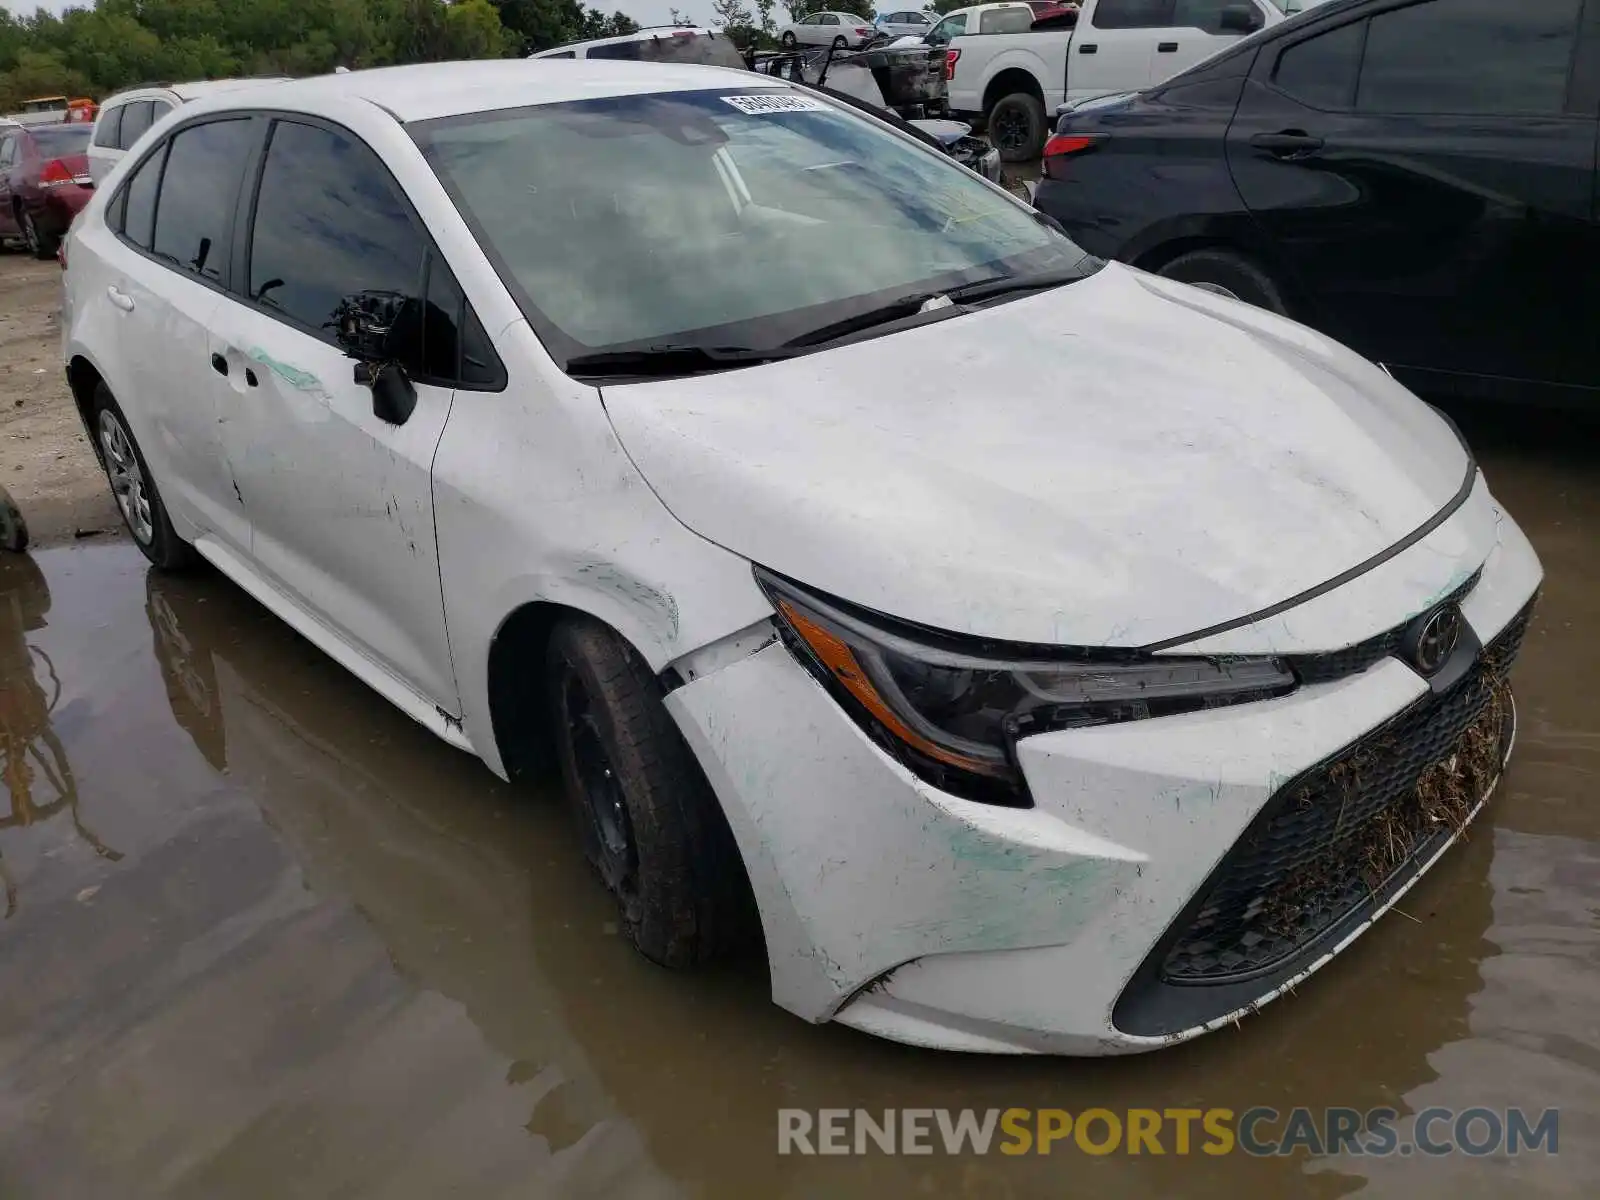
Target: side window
[[135, 120], [199, 194], [109, 127], [8, 150], [1321, 71], [563, 54], [1133, 14], [138, 205], [1205, 15], [328, 224], [158, 109], [828, 19], [440, 357], [1469, 56]]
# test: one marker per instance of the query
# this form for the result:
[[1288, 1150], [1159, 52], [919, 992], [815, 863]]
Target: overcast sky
[[646, 12]]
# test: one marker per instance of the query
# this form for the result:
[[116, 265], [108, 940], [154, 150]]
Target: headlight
[[952, 709]]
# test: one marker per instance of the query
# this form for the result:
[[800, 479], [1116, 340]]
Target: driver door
[[339, 500]]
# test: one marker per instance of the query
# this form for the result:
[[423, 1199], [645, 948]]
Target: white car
[[836, 29], [124, 117], [1057, 658], [908, 22]]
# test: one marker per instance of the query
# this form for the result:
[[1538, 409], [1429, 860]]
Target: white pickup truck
[[1010, 75]]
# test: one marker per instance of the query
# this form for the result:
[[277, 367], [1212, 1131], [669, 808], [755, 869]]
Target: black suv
[[1416, 179]]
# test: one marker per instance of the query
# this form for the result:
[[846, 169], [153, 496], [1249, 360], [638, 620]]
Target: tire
[[650, 824], [839, 42], [40, 244], [1230, 273], [1017, 127], [788, 41], [138, 498]]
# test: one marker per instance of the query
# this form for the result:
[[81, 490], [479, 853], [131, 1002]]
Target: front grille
[[1347, 829], [1336, 664]]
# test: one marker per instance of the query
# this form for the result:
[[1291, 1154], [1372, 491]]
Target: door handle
[[1291, 143], [219, 364], [120, 298], [1088, 48], [1166, 47]]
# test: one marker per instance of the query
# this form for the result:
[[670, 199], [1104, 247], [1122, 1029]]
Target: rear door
[[1425, 170], [166, 262], [1116, 51]]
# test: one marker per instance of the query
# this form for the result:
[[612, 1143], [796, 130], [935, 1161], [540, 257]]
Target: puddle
[[268, 938]]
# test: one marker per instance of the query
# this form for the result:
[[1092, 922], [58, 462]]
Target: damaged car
[[1033, 655]]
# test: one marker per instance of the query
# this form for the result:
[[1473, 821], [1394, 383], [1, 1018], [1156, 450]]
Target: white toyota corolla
[[1060, 658]]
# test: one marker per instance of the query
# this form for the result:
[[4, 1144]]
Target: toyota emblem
[[1433, 639]]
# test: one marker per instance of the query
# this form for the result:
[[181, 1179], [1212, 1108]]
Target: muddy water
[[264, 938]]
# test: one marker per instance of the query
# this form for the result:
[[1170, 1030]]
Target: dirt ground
[[46, 462]]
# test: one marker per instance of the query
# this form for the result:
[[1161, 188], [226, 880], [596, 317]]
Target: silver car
[[907, 22]]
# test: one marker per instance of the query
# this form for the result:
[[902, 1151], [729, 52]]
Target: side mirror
[[371, 328], [1240, 18]]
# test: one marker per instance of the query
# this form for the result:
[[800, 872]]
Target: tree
[[738, 23]]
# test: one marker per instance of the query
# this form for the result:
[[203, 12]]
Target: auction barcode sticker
[[775, 102]]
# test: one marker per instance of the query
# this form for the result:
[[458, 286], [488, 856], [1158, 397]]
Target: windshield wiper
[[884, 314], [668, 360], [1002, 285]]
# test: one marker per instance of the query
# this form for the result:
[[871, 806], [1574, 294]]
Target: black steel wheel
[[649, 822]]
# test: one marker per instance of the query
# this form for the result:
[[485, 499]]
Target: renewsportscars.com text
[[1260, 1131]]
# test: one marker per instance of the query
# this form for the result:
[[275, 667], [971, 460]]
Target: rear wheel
[[40, 244], [1230, 274], [839, 42], [1017, 127], [788, 41], [133, 487], [651, 826]]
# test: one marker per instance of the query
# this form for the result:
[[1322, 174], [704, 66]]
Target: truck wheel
[[1017, 127], [650, 824], [1229, 273]]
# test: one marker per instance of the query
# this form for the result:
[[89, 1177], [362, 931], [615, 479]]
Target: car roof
[[423, 91], [190, 91]]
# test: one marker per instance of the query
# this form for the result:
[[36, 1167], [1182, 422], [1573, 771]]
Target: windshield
[[717, 219]]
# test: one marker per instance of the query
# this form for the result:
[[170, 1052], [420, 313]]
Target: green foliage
[[122, 43]]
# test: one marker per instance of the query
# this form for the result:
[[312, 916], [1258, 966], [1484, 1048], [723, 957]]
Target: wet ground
[[264, 937]]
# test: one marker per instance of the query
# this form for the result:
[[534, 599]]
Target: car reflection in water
[[33, 762]]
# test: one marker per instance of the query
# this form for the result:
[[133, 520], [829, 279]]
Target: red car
[[44, 181]]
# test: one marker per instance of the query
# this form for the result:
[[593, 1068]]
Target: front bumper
[[905, 912]]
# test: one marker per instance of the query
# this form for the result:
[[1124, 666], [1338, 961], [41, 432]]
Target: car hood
[[1118, 462]]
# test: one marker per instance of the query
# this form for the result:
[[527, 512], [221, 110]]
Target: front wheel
[[1017, 127], [650, 824], [133, 487], [1230, 274]]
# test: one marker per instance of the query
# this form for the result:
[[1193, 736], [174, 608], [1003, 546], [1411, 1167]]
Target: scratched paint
[[296, 377]]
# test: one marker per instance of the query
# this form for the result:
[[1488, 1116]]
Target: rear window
[[56, 140], [1006, 20], [701, 49]]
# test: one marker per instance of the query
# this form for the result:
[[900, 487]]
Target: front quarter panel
[[537, 502]]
